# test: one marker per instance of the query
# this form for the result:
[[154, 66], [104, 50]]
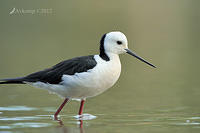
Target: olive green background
[[164, 32]]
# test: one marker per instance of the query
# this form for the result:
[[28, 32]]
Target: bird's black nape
[[102, 50]]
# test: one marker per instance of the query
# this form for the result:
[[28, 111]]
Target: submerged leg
[[81, 107], [60, 108]]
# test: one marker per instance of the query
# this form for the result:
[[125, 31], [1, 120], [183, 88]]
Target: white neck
[[112, 56]]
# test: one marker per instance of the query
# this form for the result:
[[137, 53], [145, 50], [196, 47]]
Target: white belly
[[87, 84]]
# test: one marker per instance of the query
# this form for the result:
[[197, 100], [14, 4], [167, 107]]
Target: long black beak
[[138, 57]]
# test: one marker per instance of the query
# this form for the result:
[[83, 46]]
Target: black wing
[[54, 74]]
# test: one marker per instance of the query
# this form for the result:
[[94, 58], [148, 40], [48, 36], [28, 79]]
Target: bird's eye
[[119, 42]]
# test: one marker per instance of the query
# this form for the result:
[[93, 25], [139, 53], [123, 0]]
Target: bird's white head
[[116, 43]]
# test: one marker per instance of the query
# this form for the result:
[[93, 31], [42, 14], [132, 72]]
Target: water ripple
[[26, 125], [19, 118], [85, 117], [17, 108], [30, 124]]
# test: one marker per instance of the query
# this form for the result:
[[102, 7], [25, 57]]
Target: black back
[[54, 74]]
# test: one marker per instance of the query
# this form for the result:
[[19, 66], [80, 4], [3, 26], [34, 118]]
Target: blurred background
[[38, 34]]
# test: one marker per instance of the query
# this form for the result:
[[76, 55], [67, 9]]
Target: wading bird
[[85, 76]]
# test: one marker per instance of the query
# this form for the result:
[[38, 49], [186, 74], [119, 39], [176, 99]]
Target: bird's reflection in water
[[64, 129]]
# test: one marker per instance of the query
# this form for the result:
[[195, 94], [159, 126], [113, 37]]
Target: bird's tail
[[18, 80]]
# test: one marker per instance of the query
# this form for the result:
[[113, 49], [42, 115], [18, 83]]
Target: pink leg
[[81, 126], [81, 107], [60, 108]]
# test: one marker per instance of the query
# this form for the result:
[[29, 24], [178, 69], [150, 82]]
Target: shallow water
[[174, 120], [165, 33]]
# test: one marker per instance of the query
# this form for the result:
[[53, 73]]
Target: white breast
[[90, 83]]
